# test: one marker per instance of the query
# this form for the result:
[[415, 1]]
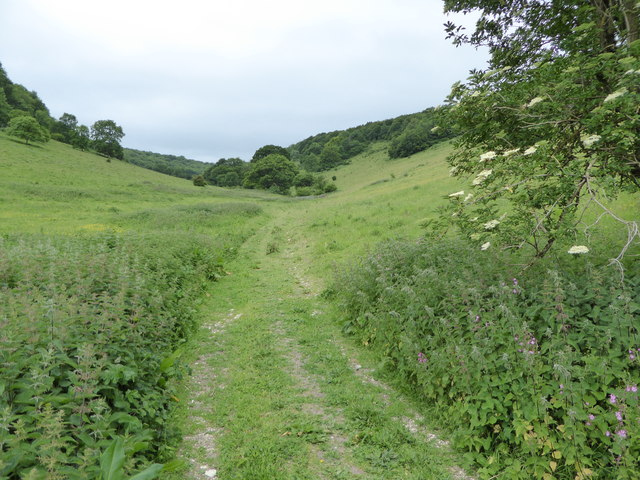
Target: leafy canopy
[[553, 125], [28, 129], [106, 136], [273, 172]]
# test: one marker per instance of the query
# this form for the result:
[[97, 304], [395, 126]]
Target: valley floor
[[278, 392]]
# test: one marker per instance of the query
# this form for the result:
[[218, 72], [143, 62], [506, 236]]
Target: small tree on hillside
[[272, 172], [28, 129], [106, 136]]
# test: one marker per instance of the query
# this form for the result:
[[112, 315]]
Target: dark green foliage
[[199, 181], [89, 331], [308, 184], [418, 136], [535, 373], [226, 172], [106, 137], [15, 100], [273, 172], [81, 138], [304, 179], [28, 129], [270, 150], [65, 129], [177, 166], [328, 150], [5, 109]]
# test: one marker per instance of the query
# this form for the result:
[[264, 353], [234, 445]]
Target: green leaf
[[112, 461], [149, 473], [168, 362]]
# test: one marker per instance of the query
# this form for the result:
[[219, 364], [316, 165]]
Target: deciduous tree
[[106, 136], [553, 125], [28, 129]]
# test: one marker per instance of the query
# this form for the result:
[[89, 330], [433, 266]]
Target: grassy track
[[277, 392]]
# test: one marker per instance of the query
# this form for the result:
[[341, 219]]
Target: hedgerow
[[535, 373], [90, 331]]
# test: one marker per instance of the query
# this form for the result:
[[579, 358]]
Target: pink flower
[[622, 433], [619, 416], [613, 399]]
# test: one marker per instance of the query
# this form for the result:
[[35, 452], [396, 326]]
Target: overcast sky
[[210, 79]]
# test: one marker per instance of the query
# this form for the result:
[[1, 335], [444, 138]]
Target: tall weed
[[536, 373], [89, 327]]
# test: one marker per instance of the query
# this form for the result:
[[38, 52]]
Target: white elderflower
[[488, 156], [590, 140], [435, 129], [616, 94], [534, 101], [491, 224], [531, 150], [578, 249], [468, 197], [508, 153], [453, 171], [482, 176], [456, 194], [485, 246]]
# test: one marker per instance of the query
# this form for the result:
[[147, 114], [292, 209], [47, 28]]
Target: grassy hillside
[[55, 188], [106, 274]]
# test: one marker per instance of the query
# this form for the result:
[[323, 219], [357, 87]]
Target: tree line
[[24, 115], [271, 168], [406, 134]]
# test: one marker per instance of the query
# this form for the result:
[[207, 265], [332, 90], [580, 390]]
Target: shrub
[[199, 181], [90, 331], [536, 374]]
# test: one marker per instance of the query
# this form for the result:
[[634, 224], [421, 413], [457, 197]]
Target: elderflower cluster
[[578, 249], [488, 156], [531, 150], [616, 94], [508, 153], [485, 246], [533, 102], [456, 194], [590, 140], [482, 176], [491, 224]]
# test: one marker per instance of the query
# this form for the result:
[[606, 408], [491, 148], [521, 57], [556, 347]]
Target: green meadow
[[237, 334]]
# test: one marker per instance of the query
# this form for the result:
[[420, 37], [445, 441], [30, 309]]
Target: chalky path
[[277, 392]]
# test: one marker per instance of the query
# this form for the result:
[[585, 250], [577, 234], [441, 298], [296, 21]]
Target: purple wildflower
[[613, 399], [622, 433], [619, 415], [422, 358], [607, 433]]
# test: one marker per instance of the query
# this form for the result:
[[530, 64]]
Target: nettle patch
[[90, 330], [536, 374]]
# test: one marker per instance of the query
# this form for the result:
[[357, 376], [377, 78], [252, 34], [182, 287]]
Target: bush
[[91, 329], [536, 374], [199, 181]]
